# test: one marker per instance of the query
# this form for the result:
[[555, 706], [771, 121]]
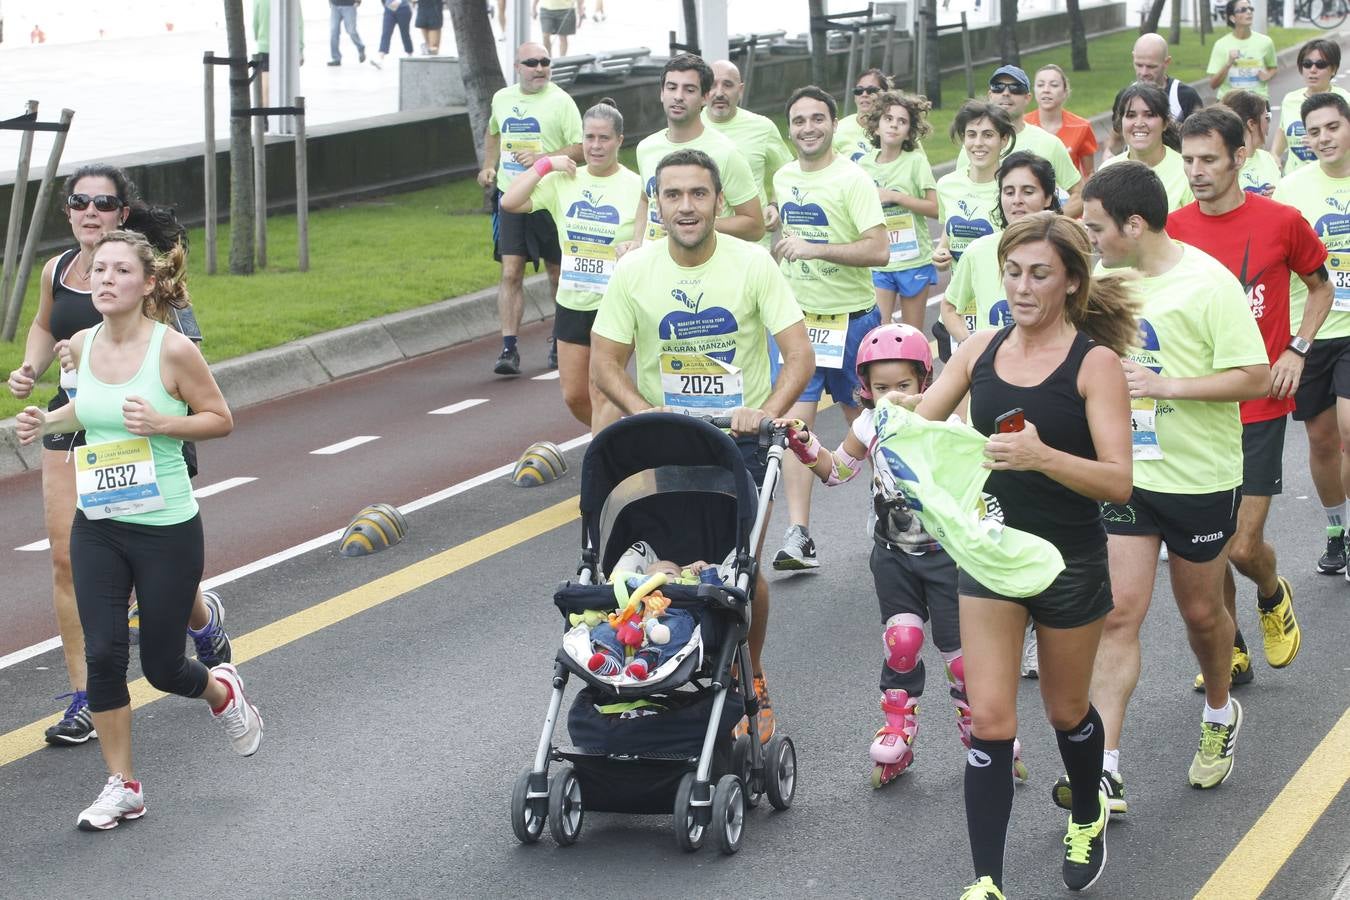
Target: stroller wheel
[[728, 814], [780, 771], [527, 816], [742, 763], [565, 811], [689, 832]]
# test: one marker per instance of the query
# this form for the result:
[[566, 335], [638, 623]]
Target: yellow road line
[[28, 739], [1258, 857]]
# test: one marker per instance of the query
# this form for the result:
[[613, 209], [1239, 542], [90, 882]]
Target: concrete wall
[[408, 150]]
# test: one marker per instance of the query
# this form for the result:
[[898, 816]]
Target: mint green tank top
[[99, 409]]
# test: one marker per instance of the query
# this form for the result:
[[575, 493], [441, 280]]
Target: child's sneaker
[[767, 722], [892, 748], [213, 644], [120, 800], [76, 725], [238, 717]]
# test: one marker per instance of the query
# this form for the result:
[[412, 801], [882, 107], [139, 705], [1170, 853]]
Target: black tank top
[[1031, 501], [72, 311]]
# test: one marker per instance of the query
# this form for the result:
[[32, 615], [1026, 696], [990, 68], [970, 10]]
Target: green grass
[[375, 257]]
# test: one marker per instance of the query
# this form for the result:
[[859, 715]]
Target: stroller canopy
[[672, 480]]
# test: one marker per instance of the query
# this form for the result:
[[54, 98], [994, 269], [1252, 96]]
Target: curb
[[324, 358]]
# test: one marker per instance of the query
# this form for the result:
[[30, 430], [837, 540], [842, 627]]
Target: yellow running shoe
[[1280, 630], [984, 889], [767, 723], [1242, 670], [1213, 762]]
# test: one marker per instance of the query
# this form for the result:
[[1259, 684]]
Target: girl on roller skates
[[915, 578]]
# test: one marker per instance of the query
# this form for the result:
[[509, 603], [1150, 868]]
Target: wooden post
[[259, 173], [16, 204], [209, 160], [301, 186], [965, 54], [44, 195]]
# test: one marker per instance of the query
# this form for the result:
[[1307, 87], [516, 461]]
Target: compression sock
[[1080, 748], [989, 797], [1239, 641], [508, 342]]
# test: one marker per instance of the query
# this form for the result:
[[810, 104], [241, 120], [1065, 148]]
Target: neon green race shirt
[[699, 333], [1254, 54], [592, 216], [976, 288], [966, 209], [907, 231], [1034, 139], [1261, 174], [851, 140], [543, 122], [738, 185], [760, 143], [1295, 135], [1325, 202], [1172, 172], [833, 205], [1195, 321]]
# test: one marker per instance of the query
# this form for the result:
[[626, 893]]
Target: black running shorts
[[1326, 376], [1263, 457], [531, 235], [1195, 527], [1080, 595], [573, 327]]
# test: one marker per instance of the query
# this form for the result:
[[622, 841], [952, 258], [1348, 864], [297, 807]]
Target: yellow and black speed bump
[[377, 526], [541, 463]]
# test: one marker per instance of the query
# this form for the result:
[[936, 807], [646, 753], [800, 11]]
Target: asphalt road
[[399, 713]]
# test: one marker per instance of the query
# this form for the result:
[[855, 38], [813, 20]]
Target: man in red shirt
[[1261, 242]]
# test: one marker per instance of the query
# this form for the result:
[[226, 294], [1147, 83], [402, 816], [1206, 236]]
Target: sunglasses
[[1243, 9], [102, 202], [539, 62], [870, 89], [1011, 87], [1314, 64]]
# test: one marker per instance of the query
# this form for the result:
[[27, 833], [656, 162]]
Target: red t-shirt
[[1261, 242]]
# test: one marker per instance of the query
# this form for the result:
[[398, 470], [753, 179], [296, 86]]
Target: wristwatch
[[1300, 345]]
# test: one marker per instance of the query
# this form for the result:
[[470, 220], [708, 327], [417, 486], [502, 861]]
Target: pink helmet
[[893, 343]]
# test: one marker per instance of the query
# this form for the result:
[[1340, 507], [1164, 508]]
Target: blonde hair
[[168, 269], [1105, 309], [1062, 75]]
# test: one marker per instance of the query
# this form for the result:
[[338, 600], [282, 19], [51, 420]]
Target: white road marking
[[936, 299], [313, 544], [547, 376], [219, 486], [456, 407], [348, 444], [43, 544]]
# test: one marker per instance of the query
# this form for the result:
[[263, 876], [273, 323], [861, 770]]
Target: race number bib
[[700, 385], [1338, 264], [827, 335], [1244, 73], [116, 478], [587, 266], [1144, 430], [904, 239], [522, 142]]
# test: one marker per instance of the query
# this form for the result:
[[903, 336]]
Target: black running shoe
[[1085, 851], [1112, 785], [508, 363], [75, 726], [1333, 560], [552, 354]]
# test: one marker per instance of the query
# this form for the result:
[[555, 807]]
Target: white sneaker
[[120, 800], [1030, 657], [240, 718]]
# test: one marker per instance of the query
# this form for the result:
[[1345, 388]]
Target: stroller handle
[[769, 433]]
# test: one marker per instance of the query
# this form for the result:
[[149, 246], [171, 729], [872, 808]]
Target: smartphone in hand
[[1010, 421]]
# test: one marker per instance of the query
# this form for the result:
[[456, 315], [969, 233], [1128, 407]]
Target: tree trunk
[[1077, 36], [691, 23], [479, 68], [1007, 33], [1176, 23], [818, 46], [1154, 17], [241, 146], [932, 75]]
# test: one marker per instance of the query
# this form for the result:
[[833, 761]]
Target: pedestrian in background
[[558, 17], [396, 12], [342, 14], [1244, 59], [430, 21]]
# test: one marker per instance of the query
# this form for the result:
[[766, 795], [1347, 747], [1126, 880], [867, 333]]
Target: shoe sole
[[792, 564], [505, 370], [1323, 570], [1063, 797], [60, 740], [86, 825]]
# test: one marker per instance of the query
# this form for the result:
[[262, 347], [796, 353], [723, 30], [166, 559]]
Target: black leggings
[[164, 565]]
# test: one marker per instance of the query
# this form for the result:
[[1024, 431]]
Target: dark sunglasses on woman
[[102, 202], [1314, 64], [869, 89]]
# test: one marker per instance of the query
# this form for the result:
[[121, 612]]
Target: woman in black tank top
[[1050, 393]]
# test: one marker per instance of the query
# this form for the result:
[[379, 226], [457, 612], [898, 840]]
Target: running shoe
[[134, 622], [1279, 628], [1030, 658], [1333, 560], [76, 725], [508, 363], [766, 722], [798, 551], [1112, 786], [1241, 673], [1213, 762], [984, 889], [1085, 851], [120, 801], [239, 718], [213, 644]]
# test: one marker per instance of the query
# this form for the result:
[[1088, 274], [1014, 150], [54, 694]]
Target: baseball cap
[[1014, 73]]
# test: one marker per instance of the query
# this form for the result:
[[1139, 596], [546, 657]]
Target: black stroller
[[664, 745]]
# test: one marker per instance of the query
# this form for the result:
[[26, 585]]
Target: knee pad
[[903, 639], [956, 670]]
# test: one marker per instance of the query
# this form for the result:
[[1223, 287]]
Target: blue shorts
[[906, 283], [842, 382]]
